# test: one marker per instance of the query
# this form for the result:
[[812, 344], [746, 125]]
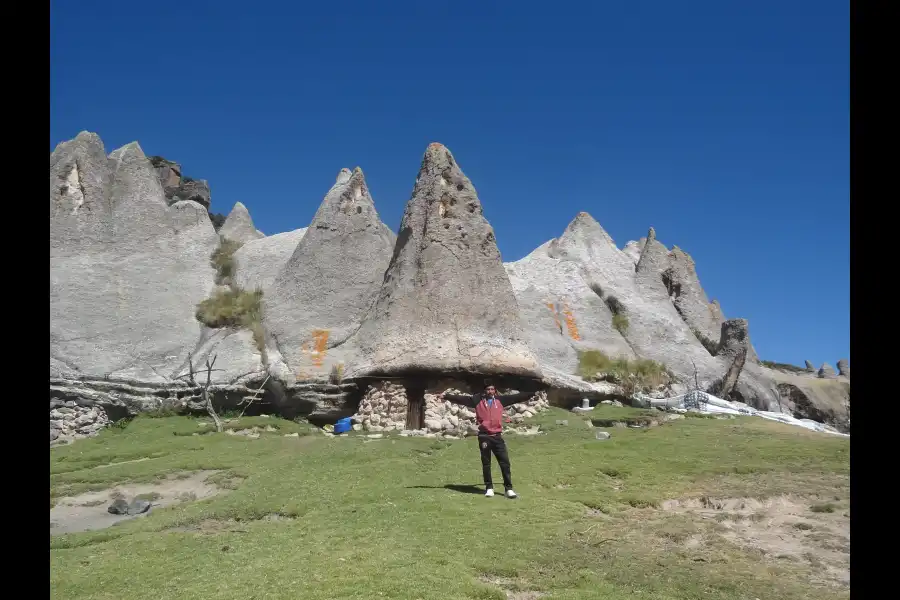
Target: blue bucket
[[343, 426]]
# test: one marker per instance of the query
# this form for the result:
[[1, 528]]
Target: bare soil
[[87, 512], [782, 528]]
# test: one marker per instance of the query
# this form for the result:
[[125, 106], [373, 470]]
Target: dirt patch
[[87, 512], [512, 587], [782, 528]]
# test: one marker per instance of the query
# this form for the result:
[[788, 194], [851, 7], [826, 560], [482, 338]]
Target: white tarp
[[709, 404]]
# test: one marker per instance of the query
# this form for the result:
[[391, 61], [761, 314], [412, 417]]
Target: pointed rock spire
[[238, 226], [735, 335], [446, 303], [810, 367], [320, 295], [826, 371], [844, 367]]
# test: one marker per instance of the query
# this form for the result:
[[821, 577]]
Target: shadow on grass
[[453, 487]]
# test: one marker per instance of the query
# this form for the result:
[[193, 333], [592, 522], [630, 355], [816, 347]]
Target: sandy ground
[[783, 528], [87, 512]]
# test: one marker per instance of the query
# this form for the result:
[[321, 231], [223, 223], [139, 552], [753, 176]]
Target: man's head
[[490, 390]]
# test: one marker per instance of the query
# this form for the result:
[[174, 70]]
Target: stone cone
[[446, 304], [330, 281]]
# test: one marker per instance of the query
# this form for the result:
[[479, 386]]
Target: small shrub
[[822, 508], [595, 287], [711, 346], [231, 308], [615, 307], [620, 322], [337, 373], [638, 375], [222, 260]]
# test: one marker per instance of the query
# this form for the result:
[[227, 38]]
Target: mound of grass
[[642, 374], [231, 308], [222, 260]]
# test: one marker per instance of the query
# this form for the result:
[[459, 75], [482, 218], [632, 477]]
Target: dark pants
[[496, 444]]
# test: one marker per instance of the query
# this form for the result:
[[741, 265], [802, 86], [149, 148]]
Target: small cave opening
[[673, 288]]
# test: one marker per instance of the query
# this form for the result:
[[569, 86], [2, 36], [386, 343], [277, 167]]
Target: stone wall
[[69, 422], [384, 408]]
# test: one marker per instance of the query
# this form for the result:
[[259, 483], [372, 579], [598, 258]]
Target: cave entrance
[[415, 406]]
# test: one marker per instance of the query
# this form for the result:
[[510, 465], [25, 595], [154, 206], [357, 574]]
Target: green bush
[[222, 260], [615, 307], [231, 308], [620, 322]]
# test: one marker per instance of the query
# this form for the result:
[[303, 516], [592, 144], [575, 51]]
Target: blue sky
[[724, 125]]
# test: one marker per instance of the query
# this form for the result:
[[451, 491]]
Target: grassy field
[[351, 517]]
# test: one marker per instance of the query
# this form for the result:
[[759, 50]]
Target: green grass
[[620, 322], [234, 307], [711, 346], [362, 518]]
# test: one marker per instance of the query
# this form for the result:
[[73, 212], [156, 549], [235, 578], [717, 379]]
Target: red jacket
[[489, 418]]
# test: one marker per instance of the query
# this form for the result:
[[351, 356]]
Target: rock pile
[[69, 422], [384, 408]]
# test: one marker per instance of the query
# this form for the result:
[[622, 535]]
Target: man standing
[[489, 416]]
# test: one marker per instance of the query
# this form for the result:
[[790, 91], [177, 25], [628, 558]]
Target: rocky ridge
[[129, 266]]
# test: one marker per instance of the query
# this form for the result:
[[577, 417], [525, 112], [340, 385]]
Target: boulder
[[810, 367], [239, 227], [431, 314], [843, 366], [826, 371], [330, 281], [169, 174]]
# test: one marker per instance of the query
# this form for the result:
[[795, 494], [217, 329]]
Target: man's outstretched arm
[[516, 398], [464, 400]]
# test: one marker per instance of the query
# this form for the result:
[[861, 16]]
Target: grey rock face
[[239, 226], [633, 250], [562, 312], [118, 507], [844, 367], [735, 335], [259, 261], [810, 367], [446, 303], [80, 201], [319, 297], [686, 293], [127, 273], [138, 506], [826, 371]]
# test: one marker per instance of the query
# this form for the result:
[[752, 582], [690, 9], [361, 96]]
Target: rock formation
[[844, 367], [686, 293], [130, 261], [177, 187], [826, 371], [239, 226], [259, 261], [431, 313], [811, 368], [729, 383], [319, 297], [734, 336]]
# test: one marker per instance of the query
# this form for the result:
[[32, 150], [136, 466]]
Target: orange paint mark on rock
[[555, 312], [570, 323], [320, 346]]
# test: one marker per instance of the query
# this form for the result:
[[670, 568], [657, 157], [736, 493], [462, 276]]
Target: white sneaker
[[511, 494], [489, 493]]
